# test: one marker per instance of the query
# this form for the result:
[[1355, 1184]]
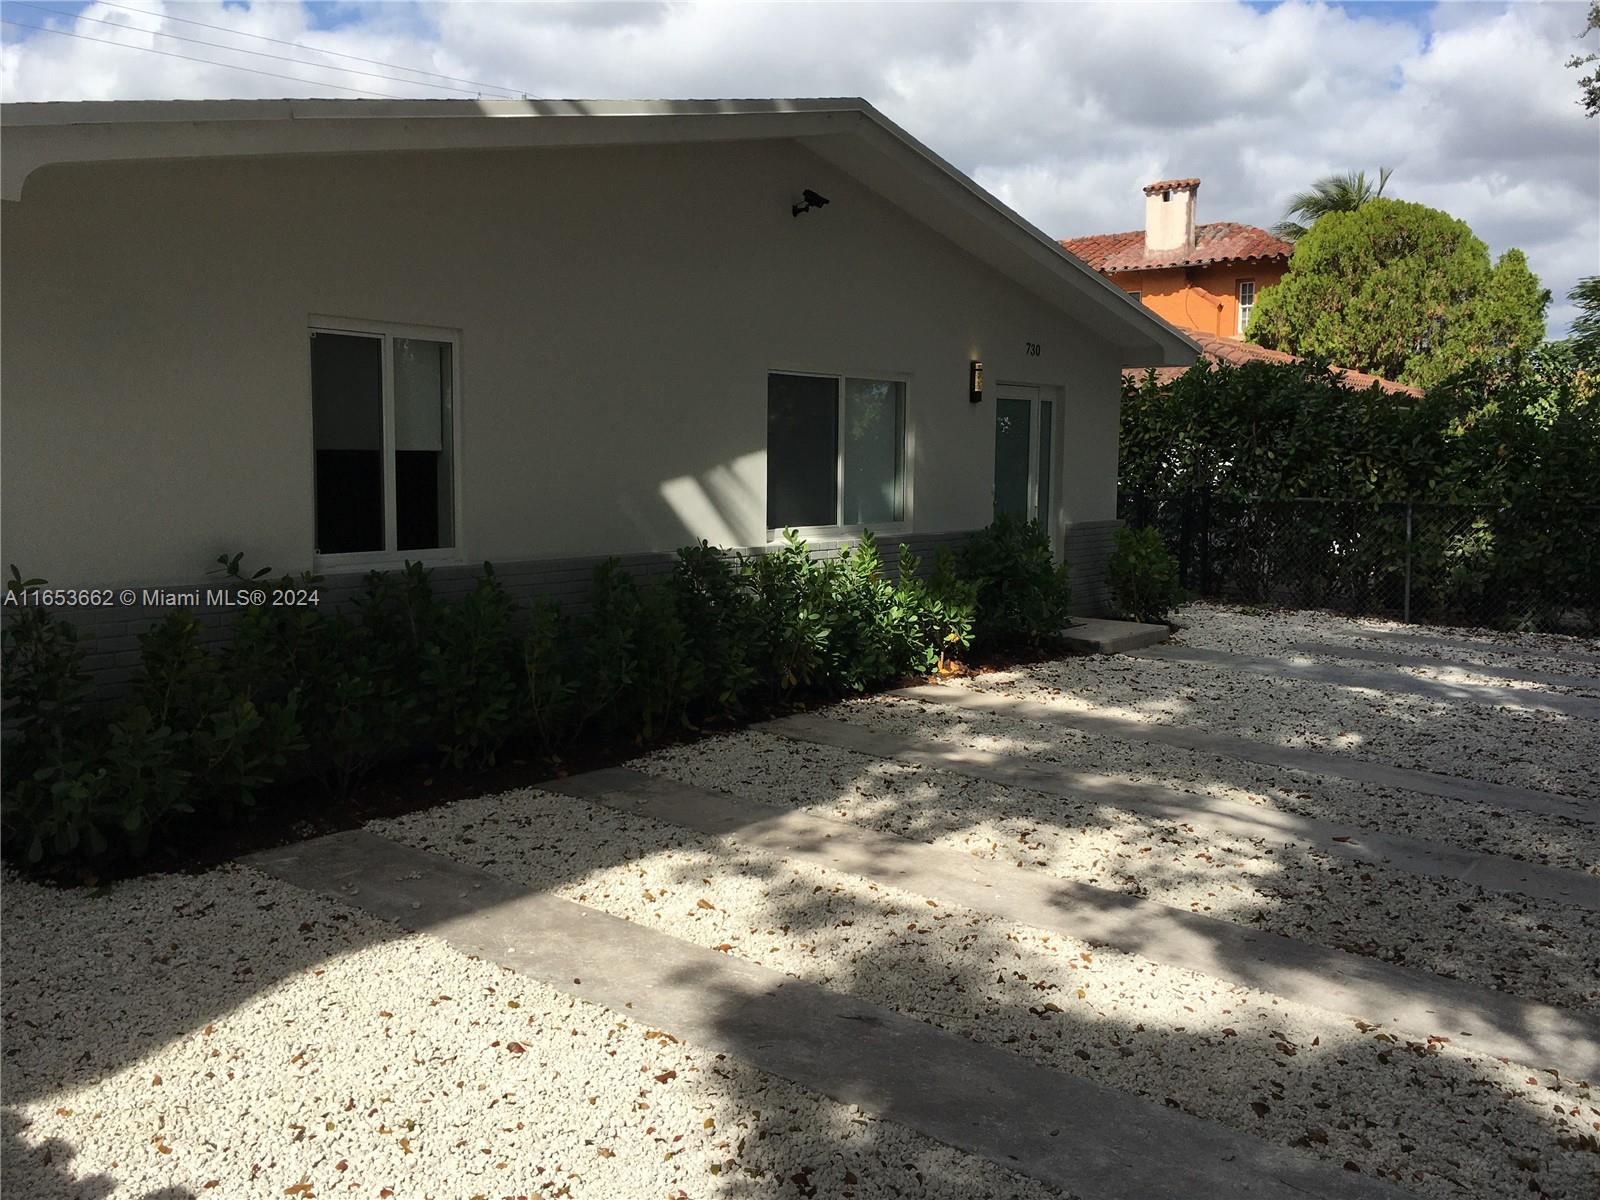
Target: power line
[[241, 50], [261, 37], [207, 61]]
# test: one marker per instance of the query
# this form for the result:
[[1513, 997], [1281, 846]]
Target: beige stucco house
[[342, 334]]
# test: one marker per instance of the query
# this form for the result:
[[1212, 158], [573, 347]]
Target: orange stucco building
[[1203, 278]]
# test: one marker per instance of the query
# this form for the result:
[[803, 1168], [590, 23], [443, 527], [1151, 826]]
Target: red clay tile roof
[[1217, 242], [1170, 185], [1226, 350]]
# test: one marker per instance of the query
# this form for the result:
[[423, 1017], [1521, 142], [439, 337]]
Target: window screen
[[874, 452], [422, 450]]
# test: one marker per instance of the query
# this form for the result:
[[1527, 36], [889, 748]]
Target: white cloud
[[1063, 110]]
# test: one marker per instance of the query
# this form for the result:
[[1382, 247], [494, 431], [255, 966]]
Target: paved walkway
[[1436, 689], [1579, 659], [1514, 676], [1318, 762], [1414, 1001], [1230, 817], [1070, 1132]]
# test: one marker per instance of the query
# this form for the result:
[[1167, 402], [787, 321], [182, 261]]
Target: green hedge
[[1513, 444], [304, 693], [1143, 576]]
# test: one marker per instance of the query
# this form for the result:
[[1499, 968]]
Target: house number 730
[[1032, 349]]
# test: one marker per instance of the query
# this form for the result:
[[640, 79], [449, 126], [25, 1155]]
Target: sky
[[1064, 110]]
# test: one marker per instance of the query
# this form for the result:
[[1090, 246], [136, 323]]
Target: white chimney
[[1169, 214]]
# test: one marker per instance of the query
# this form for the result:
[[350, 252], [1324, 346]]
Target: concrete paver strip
[[1355, 677], [1296, 758], [1069, 1132], [1513, 676], [1579, 659], [1406, 998], [1231, 817]]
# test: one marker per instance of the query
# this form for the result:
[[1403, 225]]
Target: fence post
[[1185, 534], [1407, 616]]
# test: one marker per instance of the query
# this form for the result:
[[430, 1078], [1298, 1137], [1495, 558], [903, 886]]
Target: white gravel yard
[[1293, 1074], [268, 1040], [1535, 948], [1548, 839], [1542, 750], [1271, 632], [230, 1035]]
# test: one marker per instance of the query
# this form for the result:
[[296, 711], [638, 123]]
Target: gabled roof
[[1217, 242], [848, 133], [1235, 353]]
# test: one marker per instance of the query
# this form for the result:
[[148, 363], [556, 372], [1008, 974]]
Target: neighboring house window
[[1247, 301], [1138, 297], [835, 451], [383, 428]]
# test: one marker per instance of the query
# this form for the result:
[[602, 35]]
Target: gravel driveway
[[231, 1035]]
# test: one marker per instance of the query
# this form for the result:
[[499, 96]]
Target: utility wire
[[207, 61], [241, 50], [261, 37]]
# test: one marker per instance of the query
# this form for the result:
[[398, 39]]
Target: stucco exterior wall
[[1204, 299], [618, 311]]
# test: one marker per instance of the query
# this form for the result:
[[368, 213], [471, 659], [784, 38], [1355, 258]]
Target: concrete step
[[1095, 635]]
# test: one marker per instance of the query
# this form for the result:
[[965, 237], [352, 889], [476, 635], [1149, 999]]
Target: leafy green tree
[[1589, 85], [1331, 193], [1512, 314], [1402, 291], [1585, 336]]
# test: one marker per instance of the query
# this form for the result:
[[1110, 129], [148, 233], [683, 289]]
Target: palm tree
[[1331, 193]]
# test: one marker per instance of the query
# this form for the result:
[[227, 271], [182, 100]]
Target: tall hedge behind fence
[[1524, 566], [1277, 483]]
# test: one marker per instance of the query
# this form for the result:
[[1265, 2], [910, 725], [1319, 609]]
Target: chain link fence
[[1508, 567]]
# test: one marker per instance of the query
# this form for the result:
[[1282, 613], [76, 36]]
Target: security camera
[[812, 200]]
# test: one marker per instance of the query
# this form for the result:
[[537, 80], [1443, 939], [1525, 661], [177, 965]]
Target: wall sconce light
[[975, 381]]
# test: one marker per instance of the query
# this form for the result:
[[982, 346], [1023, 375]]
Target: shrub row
[[303, 693], [1142, 575]]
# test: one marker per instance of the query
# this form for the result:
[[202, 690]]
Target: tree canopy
[[1402, 291], [1589, 85], [1586, 325]]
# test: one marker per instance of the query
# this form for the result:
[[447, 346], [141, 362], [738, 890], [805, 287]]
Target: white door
[[1024, 454]]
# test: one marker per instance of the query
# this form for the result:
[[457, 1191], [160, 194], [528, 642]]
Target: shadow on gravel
[[127, 973]]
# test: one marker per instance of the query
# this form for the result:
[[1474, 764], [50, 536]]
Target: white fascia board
[[37, 135]]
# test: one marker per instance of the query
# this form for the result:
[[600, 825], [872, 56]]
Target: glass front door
[[1024, 454]]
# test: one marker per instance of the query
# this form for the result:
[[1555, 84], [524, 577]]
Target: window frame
[[386, 332], [1242, 317], [840, 531]]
